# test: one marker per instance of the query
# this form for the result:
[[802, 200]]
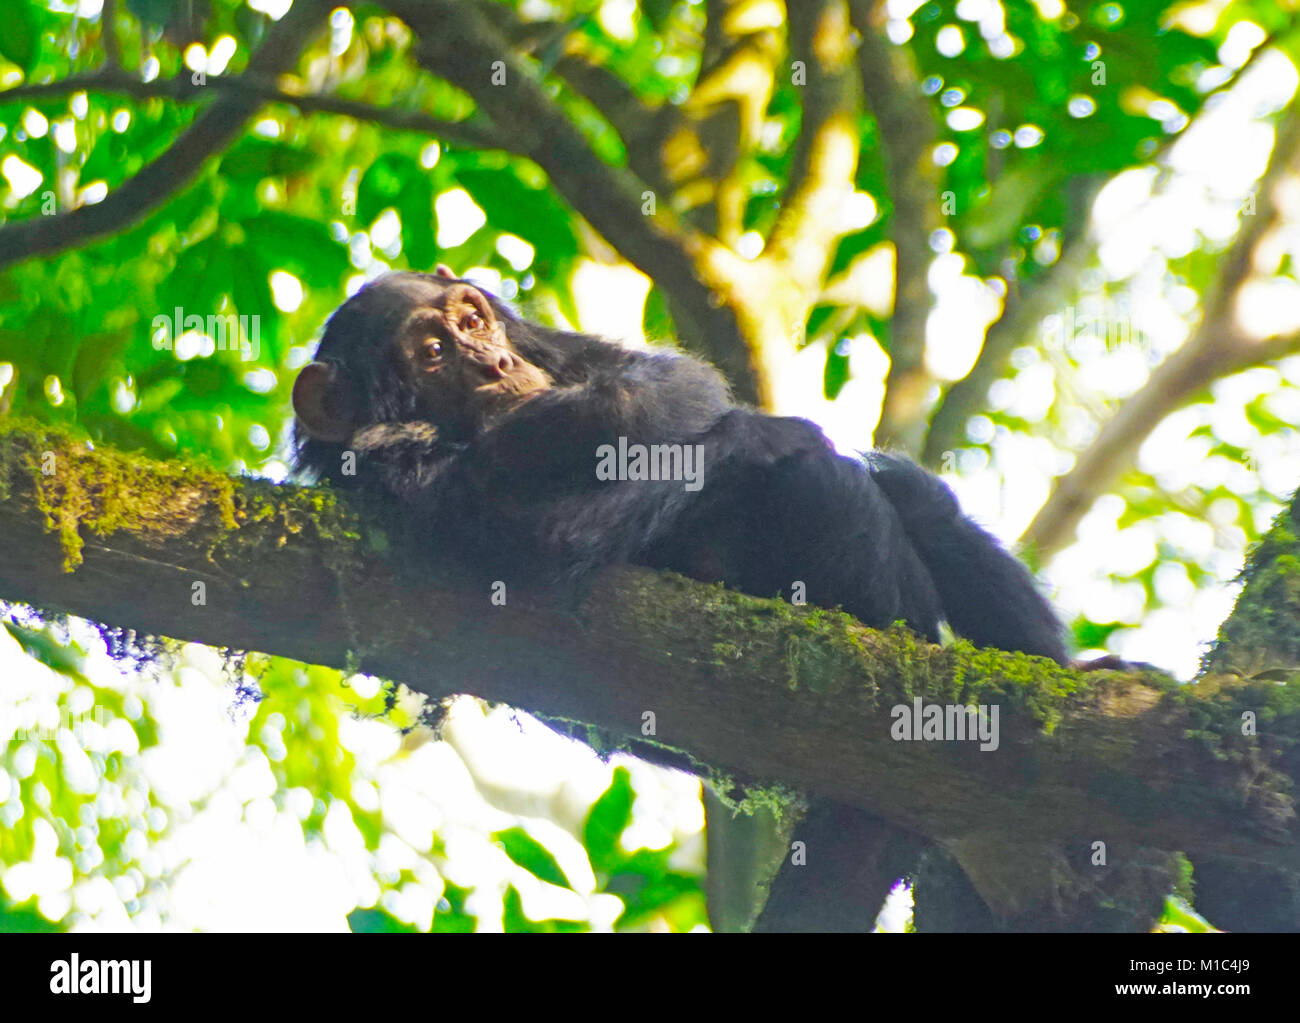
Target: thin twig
[[182, 89]]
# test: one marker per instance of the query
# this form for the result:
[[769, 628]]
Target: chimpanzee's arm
[[552, 440]]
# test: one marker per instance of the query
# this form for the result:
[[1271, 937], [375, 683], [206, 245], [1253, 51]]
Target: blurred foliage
[[70, 766], [86, 832]]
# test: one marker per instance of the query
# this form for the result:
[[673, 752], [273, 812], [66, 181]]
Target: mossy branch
[[767, 691]]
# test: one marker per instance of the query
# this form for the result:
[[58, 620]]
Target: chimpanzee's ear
[[323, 403], [443, 270]]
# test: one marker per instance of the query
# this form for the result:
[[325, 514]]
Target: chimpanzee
[[541, 455]]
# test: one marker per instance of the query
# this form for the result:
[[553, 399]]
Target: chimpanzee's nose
[[495, 365]]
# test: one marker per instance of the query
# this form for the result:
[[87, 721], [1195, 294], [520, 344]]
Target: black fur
[[520, 500]]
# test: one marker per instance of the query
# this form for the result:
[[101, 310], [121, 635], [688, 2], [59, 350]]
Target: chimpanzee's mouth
[[512, 386]]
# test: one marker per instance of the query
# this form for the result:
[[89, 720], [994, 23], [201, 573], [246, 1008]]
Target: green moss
[[1263, 632], [74, 485], [750, 797], [832, 655], [81, 491]]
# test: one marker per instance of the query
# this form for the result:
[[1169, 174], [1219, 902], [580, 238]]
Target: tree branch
[[907, 132], [751, 686], [826, 156], [469, 132], [780, 286], [108, 34], [705, 144], [1024, 309], [641, 127], [212, 130]]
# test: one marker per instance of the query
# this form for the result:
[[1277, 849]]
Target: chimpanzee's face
[[454, 352], [435, 339]]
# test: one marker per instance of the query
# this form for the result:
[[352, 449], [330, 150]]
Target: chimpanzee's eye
[[471, 321], [433, 348]]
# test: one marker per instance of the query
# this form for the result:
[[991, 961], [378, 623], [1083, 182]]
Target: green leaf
[[382, 184], [1263, 420], [96, 354], [65, 658], [657, 12], [25, 919], [304, 247], [836, 372], [656, 321], [607, 820], [21, 38], [253, 159], [530, 854], [377, 921], [1089, 635], [157, 396], [533, 214], [455, 919], [398, 181]]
